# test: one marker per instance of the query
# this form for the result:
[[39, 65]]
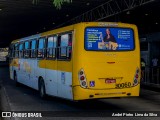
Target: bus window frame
[[21, 43], [59, 58], [43, 49], [110, 50], [35, 50], [55, 56], [16, 51], [27, 50]]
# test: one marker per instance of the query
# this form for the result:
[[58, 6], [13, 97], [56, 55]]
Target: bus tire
[[15, 79], [42, 90]]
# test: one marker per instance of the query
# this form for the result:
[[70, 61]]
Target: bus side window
[[41, 48], [33, 49], [21, 50], [26, 49], [51, 47], [16, 50], [65, 46]]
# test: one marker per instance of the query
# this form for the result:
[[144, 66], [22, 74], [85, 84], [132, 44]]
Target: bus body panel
[[65, 79], [61, 71], [58, 78], [122, 70], [51, 79], [83, 94], [33, 76]]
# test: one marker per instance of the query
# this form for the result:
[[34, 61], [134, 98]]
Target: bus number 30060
[[124, 85]]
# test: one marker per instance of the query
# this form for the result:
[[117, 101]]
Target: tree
[[56, 3]]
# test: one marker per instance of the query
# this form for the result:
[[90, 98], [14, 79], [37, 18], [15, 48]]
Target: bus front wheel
[[42, 90]]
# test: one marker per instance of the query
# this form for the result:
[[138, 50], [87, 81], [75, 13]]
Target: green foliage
[[56, 3], [59, 3], [35, 1]]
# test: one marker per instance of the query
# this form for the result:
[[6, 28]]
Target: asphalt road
[[26, 99]]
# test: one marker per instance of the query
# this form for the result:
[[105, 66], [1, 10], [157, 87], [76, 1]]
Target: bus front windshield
[[109, 39]]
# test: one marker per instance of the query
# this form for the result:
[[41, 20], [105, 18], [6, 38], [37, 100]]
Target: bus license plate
[[108, 81]]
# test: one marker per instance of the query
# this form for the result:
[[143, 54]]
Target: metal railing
[[151, 76]]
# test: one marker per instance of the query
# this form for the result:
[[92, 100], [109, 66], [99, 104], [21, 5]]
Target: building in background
[[150, 47], [150, 50]]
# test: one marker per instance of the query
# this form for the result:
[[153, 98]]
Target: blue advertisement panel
[[110, 39]]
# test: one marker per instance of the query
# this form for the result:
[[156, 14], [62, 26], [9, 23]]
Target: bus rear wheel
[[42, 90]]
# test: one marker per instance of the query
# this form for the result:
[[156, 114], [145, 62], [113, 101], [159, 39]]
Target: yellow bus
[[89, 60]]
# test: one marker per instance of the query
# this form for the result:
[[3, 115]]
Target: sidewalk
[[150, 86]]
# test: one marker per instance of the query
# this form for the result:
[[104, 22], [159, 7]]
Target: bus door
[[51, 66], [65, 65]]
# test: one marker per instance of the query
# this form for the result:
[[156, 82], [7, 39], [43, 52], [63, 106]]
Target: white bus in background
[[3, 54]]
